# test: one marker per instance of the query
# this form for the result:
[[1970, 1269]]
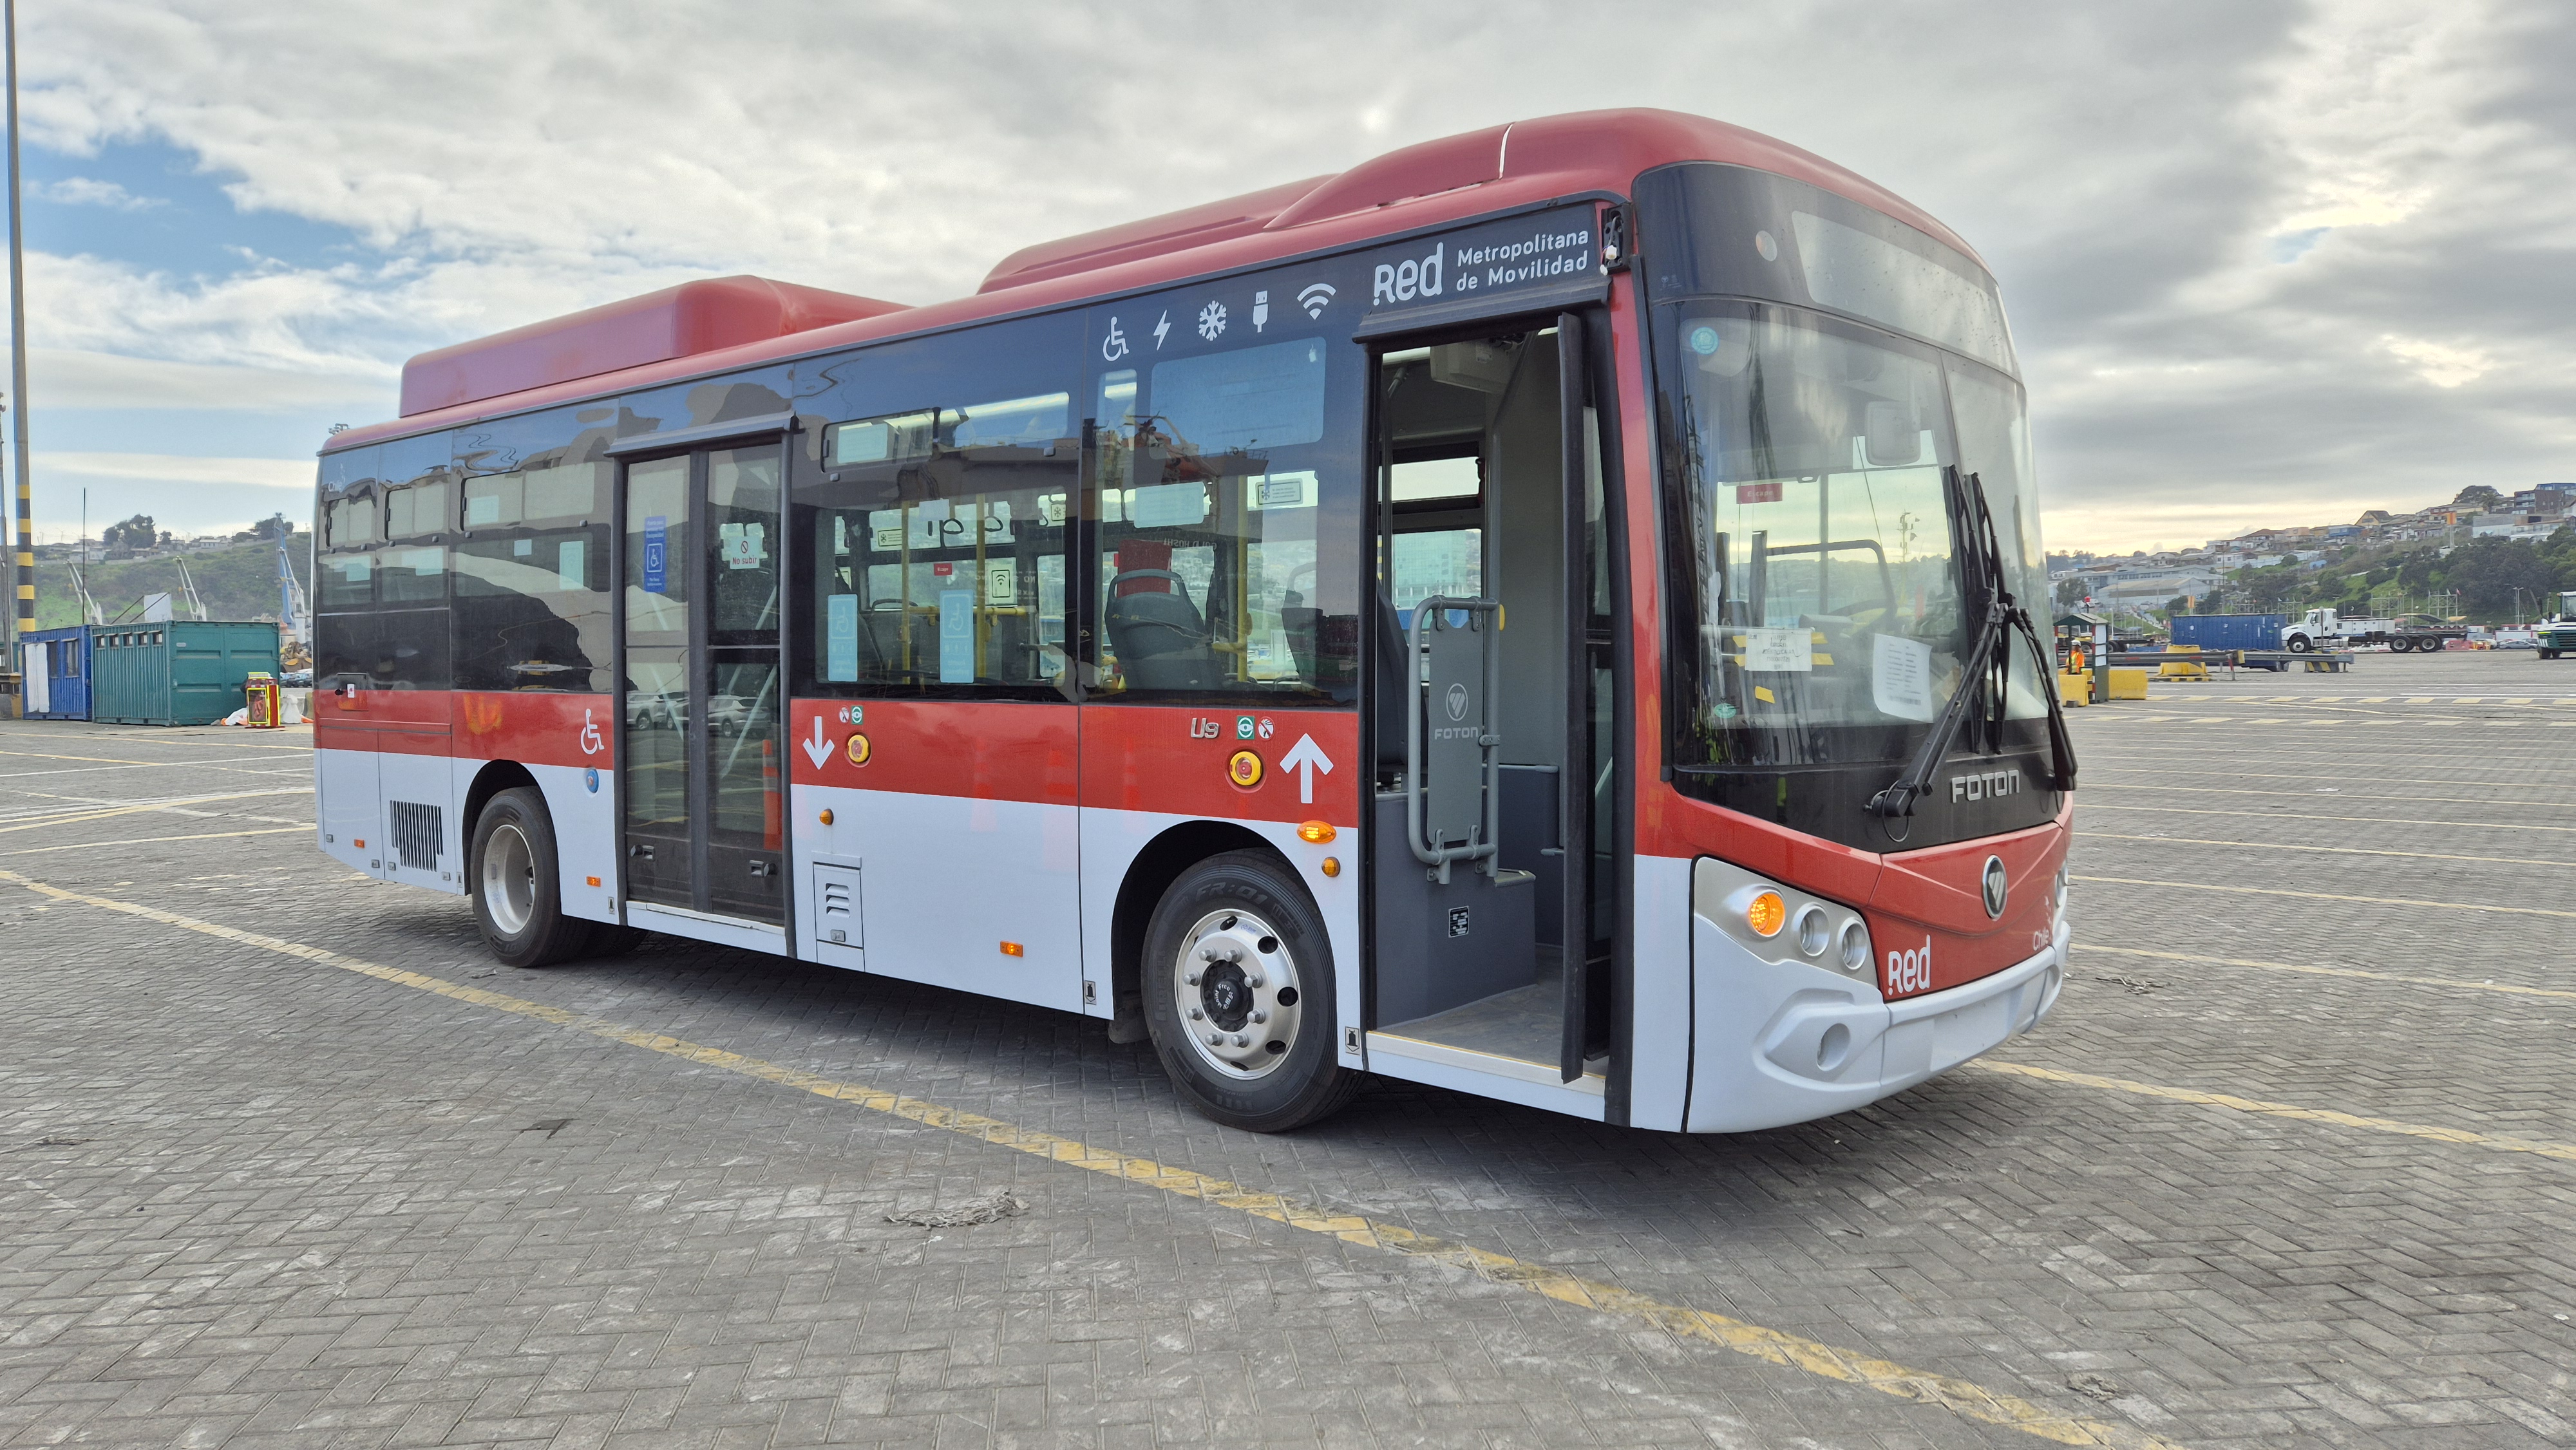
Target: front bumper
[[1777, 1043]]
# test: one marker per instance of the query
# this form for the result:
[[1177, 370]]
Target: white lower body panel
[[947, 886]]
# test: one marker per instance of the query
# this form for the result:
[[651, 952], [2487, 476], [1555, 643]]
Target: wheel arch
[[1151, 873], [491, 780]]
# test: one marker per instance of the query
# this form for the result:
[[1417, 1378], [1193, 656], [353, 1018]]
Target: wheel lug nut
[[1196, 1014], [1192, 979], [1215, 1038], [1241, 1041], [1260, 1016], [1252, 982]]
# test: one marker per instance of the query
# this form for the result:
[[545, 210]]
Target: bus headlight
[[1780, 923], [1857, 956], [1815, 933]]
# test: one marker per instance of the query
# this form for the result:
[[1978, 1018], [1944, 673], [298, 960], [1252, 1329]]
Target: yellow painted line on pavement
[[2085, 805], [1960, 1397], [157, 840], [2333, 850], [2564, 1152], [2330, 896], [2511, 989], [76, 817]]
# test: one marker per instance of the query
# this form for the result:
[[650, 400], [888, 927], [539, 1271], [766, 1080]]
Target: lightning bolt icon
[[1161, 326]]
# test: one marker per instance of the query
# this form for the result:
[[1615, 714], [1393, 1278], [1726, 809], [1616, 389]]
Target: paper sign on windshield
[[1900, 677], [1779, 649]]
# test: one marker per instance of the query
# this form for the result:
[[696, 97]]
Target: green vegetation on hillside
[[2484, 580], [236, 583]]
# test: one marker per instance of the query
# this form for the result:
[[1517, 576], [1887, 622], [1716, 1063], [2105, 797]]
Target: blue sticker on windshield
[[1703, 340]]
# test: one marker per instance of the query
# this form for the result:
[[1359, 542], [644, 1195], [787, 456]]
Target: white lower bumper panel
[[1779, 1043]]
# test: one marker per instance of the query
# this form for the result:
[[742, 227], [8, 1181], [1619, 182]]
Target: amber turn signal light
[[593, 880], [1014, 949], [1332, 865], [825, 817], [1766, 914], [1315, 832]]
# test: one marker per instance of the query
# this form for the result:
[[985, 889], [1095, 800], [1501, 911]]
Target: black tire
[[2299, 644], [1265, 935], [2401, 646], [517, 891]]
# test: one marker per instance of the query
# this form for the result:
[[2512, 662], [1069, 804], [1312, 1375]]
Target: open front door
[[703, 813], [1491, 934]]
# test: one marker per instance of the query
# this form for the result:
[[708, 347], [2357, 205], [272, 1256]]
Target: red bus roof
[[736, 322]]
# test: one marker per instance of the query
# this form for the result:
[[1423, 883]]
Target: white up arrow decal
[[1306, 758], [819, 749]]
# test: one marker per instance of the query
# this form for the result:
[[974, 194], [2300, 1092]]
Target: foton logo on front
[[1910, 971], [1988, 786], [1404, 281]]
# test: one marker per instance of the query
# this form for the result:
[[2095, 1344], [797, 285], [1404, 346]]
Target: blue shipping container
[[2229, 631], [54, 667]]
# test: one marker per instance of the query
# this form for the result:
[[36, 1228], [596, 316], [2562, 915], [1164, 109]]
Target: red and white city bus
[[1532, 614]]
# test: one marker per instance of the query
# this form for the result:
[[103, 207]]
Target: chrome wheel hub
[[1236, 992], [509, 880]]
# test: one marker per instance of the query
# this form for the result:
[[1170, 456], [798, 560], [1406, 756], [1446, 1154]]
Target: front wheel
[[1238, 989], [517, 890], [2299, 644]]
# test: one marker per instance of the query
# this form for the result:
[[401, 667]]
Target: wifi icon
[[1314, 298]]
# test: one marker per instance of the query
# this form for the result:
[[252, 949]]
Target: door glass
[[742, 545], [746, 788], [657, 775], [657, 572], [656, 710]]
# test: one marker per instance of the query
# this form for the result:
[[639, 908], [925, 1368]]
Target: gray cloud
[[2136, 175]]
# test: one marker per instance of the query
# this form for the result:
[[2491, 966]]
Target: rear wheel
[[1238, 989], [516, 888]]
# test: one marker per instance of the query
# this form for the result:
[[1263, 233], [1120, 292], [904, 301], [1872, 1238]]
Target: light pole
[[25, 612]]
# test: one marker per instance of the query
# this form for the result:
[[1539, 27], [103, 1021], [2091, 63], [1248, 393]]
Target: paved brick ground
[[247, 1199]]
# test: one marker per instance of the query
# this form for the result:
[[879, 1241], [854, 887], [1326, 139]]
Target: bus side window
[[1210, 481], [940, 547]]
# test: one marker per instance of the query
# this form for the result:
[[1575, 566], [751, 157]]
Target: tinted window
[[933, 518], [347, 581], [394, 650], [411, 574], [1226, 490], [531, 610]]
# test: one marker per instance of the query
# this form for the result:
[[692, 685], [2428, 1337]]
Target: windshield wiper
[[1981, 568]]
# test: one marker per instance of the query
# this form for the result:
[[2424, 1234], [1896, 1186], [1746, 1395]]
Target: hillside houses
[[2148, 580]]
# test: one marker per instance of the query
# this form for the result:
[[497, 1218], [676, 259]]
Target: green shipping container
[[175, 671]]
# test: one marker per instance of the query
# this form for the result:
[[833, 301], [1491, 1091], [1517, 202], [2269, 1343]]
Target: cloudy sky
[[2268, 262]]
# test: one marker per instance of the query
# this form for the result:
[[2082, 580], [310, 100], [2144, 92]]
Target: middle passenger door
[[934, 723]]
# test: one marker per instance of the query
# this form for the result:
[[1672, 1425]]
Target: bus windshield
[[1832, 623]]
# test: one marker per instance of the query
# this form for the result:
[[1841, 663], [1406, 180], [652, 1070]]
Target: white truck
[[2324, 629]]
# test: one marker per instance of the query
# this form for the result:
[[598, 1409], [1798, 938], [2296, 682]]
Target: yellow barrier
[[2129, 684], [2074, 690], [2183, 669]]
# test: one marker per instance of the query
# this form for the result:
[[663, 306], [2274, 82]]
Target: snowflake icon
[[1212, 321]]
